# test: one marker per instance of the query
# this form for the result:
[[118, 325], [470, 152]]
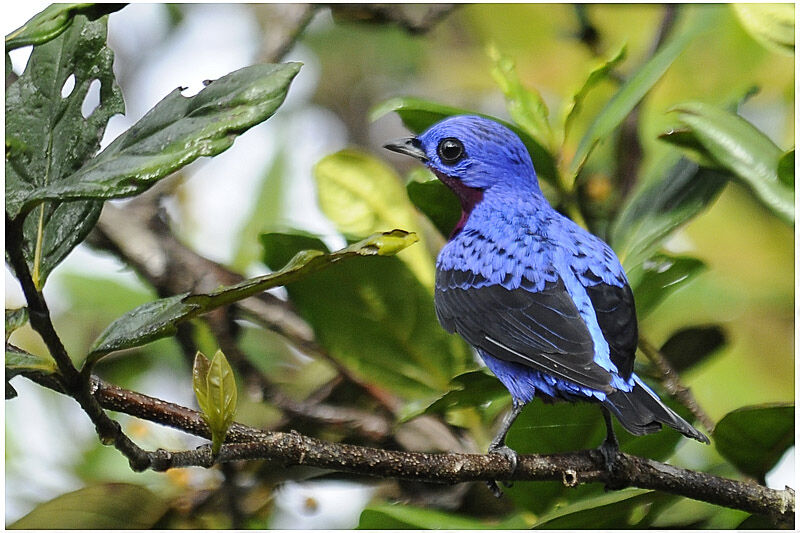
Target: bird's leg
[[610, 446], [498, 445]]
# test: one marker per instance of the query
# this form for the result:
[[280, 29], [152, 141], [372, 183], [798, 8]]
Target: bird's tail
[[641, 412]]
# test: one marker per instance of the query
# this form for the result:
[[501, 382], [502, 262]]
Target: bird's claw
[[513, 458], [609, 451]]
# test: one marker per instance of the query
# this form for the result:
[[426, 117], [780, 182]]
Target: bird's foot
[[609, 451], [512, 457]]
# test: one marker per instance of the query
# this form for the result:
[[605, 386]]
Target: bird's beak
[[408, 146]]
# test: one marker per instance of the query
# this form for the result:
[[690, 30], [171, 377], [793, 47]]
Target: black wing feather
[[616, 316], [542, 330]]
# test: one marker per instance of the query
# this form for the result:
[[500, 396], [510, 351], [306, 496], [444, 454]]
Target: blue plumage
[[546, 304]]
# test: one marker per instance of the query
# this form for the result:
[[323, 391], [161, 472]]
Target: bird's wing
[[542, 330], [616, 316]]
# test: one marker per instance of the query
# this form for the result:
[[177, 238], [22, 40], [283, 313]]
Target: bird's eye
[[451, 151]]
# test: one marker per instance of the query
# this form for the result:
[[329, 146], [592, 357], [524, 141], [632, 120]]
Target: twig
[[669, 377], [396, 14]]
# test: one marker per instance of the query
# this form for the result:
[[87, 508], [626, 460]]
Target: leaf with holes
[[215, 388], [51, 138], [52, 21]]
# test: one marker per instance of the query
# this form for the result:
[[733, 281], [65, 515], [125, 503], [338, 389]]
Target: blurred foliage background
[[233, 208]]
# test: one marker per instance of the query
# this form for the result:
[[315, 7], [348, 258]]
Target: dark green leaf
[[607, 511], [660, 275], [19, 361], [360, 194], [215, 388], [786, 169], [398, 516], [52, 21], [687, 347], [632, 92], [158, 319], [15, 319], [52, 139], [418, 115], [755, 437], [470, 389], [739, 147], [107, 506], [685, 139], [174, 133], [770, 24], [757, 521], [378, 320], [525, 106], [661, 205], [435, 200]]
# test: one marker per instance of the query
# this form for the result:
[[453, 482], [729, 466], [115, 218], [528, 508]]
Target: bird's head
[[472, 154]]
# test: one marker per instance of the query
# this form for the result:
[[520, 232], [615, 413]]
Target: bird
[[545, 303]]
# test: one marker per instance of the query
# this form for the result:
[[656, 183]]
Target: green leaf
[[53, 21], [435, 199], [19, 361], [215, 388], [525, 106], [786, 169], [15, 319], [632, 92], [398, 516], [174, 133], [159, 318], [660, 275], [684, 138], [418, 115], [739, 147], [51, 138], [755, 437], [106, 506], [377, 319], [475, 388], [598, 74], [614, 510], [688, 346], [360, 194], [770, 24], [659, 206]]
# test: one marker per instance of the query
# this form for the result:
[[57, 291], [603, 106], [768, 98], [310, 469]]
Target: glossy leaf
[[19, 361], [436, 201], [786, 169], [470, 389], [418, 115], [215, 388], [740, 148], [15, 319], [613, 510], [398, 516], [526, 106], [689, 346], [685, 139], [754, 438], [377, 319], [51, 138], [598, 74], [53, 21], [174, 133], [660, 275], [770, 24], [159, 318], [661, 205], [361, 195], [107, 506], [632, 92]]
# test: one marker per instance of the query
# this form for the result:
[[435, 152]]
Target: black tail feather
[[641, 412]]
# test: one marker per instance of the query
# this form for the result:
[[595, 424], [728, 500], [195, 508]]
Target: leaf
[[19, 361], [688, 346], [15, 319], [754, 438], [660, 275], [106, 506], [360, 194], [632, 92], [54, 20], [685, 139], [435, 199], [659, 206], [399, 516], [739, 147], [158, 319], [174, 133], [770, 24], [215, 388], [475, 388], [376, 319], [786, 168], [51, 138], [525, 106], [607, 511], [418, 115], [598, 74]]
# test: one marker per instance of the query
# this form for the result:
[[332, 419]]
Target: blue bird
[[545, 303]]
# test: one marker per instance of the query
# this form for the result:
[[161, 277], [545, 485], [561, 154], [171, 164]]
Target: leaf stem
[[37, 254]]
